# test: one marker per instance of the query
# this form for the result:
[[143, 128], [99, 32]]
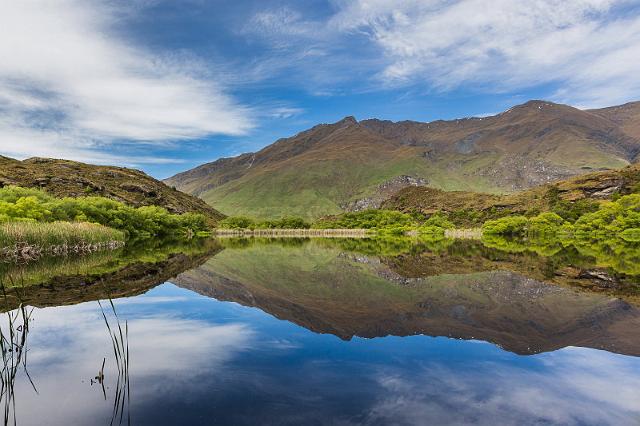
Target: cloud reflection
[[249, 368], [69, 343], [576, 387]]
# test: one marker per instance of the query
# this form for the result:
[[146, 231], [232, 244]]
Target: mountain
[[332, 167], [65, 178]]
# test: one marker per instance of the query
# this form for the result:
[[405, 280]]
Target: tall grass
[[120, 344], [13, 353], [32, 239]]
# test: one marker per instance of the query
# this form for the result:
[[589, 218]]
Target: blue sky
[[164, 85]]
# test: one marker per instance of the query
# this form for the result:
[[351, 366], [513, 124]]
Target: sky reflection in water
[[195, 360]]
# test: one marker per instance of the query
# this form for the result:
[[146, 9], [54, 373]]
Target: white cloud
[[69, 85], [589, 47]]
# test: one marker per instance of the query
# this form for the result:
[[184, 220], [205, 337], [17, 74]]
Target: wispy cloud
[[301, 50], [589, 47], [70, 86], [285, 112]]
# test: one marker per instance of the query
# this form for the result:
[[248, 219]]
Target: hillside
[[65, 178], [591, 186], [332, 167]]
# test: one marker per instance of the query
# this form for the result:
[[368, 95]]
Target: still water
[[321, 332]]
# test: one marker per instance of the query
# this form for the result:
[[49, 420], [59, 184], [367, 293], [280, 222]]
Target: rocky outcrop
[[382, 192]]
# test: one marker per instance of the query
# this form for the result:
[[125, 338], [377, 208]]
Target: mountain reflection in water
[[542, 340]]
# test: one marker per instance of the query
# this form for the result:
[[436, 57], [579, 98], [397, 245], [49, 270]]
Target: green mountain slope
[[331, 166], [65, 178]]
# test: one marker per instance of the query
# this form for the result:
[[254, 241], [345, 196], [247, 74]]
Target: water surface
[[327, 332]]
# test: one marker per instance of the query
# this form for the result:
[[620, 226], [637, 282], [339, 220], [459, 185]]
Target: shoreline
[[459, 234], [27, 252], [292, 233], [464, 233]]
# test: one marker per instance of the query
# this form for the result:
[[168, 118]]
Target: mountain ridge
[[320, 170]]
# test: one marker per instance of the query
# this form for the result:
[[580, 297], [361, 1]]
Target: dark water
[[324, 332]]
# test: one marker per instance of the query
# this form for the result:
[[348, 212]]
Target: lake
[[322, 331]]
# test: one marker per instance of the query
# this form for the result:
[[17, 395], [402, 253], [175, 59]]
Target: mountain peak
[[350, 119]]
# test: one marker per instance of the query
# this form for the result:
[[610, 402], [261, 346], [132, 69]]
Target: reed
[[120, 345], [13, 350], [30, 240]]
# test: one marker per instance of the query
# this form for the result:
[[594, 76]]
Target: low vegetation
[[33, 205], [378, 222], [30, 240], [242, 222], [611, 234], [384, 221], [613, 219]]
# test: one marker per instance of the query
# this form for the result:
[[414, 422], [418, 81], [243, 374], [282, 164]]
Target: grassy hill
[[64, 178], [329, 167], [591, 187]]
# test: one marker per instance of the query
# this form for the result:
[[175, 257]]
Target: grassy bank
[[28, 240]]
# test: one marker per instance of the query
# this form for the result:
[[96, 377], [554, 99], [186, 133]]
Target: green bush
[[285, 223], [237, 222], [435, 226], [612, 219], [510, 225], [547, 223], [440, 221], [631, 235], [367, 219], [572, 211], [33, 205]]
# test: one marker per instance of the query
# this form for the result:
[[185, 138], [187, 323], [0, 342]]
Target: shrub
[[285, 223], [511, 225], [547, 223], [23, 204], [367, 219], [631, 235], [237, 222], [440, 221], [572, 211]]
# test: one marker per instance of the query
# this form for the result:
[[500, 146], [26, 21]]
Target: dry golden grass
[[32, 239]]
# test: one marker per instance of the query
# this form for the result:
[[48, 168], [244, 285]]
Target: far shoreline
[[473, 233]]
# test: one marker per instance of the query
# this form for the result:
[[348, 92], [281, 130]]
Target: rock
[[600, 278], [383, 192]]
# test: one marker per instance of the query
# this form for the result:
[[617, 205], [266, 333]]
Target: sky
[[166, 85]]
